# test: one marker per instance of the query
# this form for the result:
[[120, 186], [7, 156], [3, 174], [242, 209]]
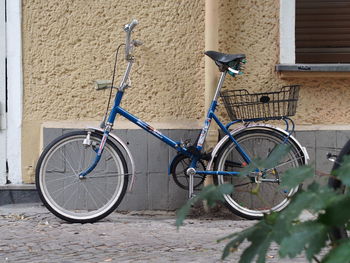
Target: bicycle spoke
[[63, 178], [78, 198], [53, 167], [64, 188], [287, 162], [104, 176], [101, 191], [93, 199], [71, 167], [238, 185], [72, 194], [82, 158]]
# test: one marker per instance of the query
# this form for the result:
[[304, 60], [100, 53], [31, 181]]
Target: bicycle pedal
[[331, 157]]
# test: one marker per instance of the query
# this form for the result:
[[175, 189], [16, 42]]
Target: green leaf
[[271, 218], [184, 210], [213, 193], [276, 155], [260, 237], [316, 198], [237, 240], [310, 236], [295, 176], [338, 213], [317, 242], [261, 240], [339, 254], [286, 218], [343, 171], [301, 202], [271, 161], [323, 197], [285, 228], [210, 193]]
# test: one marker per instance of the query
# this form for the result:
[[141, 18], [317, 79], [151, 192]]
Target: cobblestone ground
[[29, 233]]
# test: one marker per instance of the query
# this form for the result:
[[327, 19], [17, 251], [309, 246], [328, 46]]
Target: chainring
[[179, 167]]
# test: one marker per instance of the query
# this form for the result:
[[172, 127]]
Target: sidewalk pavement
[[29, 233]]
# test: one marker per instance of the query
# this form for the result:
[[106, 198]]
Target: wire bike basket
[[240, 104]]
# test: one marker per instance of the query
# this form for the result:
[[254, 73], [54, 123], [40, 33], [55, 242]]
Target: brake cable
[[103, 123]]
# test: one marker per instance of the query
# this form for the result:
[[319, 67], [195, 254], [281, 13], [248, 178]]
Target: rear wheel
[[258, 192], [74, 199]]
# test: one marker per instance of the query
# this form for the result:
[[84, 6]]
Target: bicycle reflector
[[236, 67]]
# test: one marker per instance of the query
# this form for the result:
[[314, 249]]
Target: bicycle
[[82, 176]]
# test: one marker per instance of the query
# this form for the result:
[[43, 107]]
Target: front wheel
[[81, 200], [257, 193]]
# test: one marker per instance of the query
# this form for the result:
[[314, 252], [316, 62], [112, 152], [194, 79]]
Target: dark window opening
[[322, 31]]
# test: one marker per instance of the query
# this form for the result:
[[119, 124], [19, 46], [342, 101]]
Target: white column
[[2, 94], [287, 31], [15, 93]]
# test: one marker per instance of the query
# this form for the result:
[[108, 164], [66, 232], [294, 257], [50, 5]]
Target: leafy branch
[[294, 236]]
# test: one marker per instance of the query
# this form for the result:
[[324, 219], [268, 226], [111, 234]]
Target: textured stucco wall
[[252, 27], [67, 45]]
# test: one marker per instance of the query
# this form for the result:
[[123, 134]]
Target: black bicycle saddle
[[224, 58]]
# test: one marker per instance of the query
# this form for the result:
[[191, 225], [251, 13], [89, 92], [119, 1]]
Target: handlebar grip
[[129, 27], [133, 23]]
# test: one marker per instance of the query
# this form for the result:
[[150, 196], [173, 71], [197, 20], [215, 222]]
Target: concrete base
[[153, 188], [16, 194]]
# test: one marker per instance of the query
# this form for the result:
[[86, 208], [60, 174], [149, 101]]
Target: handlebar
[[129, 45]]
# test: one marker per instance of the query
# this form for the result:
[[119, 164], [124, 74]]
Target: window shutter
[[322, 31]]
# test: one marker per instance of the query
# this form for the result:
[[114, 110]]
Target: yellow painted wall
[[252, 27], [67, 45]]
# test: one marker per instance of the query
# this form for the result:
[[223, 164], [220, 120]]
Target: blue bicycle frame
[[176, 145], [194, 155]]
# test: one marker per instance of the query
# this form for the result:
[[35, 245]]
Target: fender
[[254, 126], [120, 144]]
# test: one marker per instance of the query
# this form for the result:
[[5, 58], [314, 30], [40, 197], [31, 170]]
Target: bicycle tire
[[338, 233], [81, 200], [245, 201]]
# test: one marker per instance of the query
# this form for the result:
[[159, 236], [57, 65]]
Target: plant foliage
[[294, 236]]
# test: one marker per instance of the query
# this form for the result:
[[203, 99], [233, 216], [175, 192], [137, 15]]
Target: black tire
[[338, 233], [74, 199], [178, 171], [250, 199]]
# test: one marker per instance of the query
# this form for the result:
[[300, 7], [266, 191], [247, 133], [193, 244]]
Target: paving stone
[[132, 237]]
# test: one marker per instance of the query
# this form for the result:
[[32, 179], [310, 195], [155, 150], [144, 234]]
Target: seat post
[[219, 86]]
